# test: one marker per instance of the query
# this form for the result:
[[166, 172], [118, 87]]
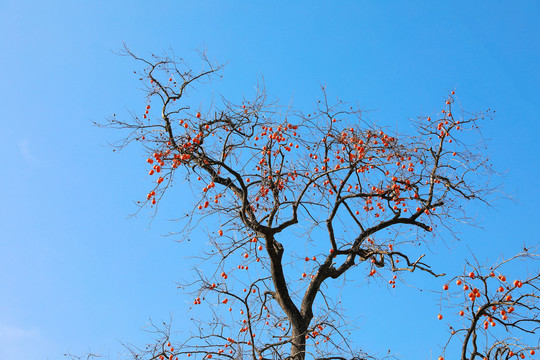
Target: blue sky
[[78, 273]]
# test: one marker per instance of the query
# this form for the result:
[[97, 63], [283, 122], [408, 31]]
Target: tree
[[349, 195]]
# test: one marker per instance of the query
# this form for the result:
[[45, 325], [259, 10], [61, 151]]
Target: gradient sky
[[78, 274]]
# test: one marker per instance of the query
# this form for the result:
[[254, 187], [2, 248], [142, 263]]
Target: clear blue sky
[[76, 273]]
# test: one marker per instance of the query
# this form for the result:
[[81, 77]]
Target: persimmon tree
[[294, 201], [485, 298]]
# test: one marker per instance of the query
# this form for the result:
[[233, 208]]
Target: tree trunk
[[298, 343]]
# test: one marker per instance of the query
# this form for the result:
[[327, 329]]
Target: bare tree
[[351, 195], [485, 298]]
